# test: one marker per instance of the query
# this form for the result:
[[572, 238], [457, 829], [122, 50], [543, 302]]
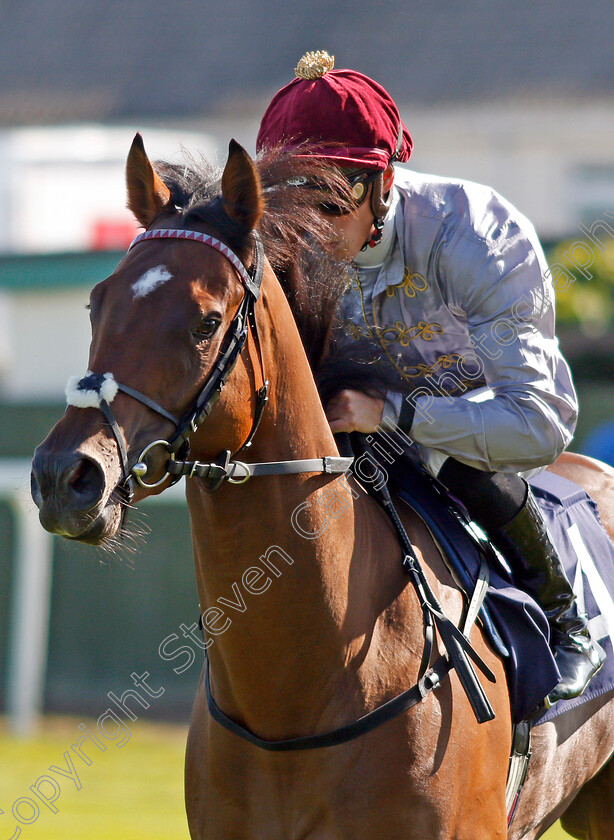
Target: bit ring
[[139, 474]]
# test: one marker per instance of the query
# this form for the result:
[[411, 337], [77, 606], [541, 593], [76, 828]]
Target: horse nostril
[[85, 478], [66, 481], [76, 476], [35, 489]]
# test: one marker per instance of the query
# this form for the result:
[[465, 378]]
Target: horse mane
[[297, 237], [298, 241]]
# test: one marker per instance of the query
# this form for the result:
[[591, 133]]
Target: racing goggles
[[359, 186], [359, 182]]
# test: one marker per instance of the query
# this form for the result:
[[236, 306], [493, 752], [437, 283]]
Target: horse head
[[160, 324]]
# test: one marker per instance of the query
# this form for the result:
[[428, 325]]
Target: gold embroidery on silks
[[404, 335], [411, 284], [401, 333], [444, 362], [398, 332]]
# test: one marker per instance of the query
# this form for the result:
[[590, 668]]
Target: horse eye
[[206, 328]]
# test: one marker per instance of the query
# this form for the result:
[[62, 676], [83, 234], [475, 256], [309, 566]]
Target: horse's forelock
[[297, 237]]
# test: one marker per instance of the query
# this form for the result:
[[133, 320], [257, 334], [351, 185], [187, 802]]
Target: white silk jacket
[[458, 296]]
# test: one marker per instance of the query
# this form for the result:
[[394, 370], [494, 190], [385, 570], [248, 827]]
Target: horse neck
[[301, 539]]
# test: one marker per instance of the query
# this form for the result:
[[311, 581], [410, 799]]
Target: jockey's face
[[355, 228]]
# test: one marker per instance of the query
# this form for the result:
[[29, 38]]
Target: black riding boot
[[535, 564]]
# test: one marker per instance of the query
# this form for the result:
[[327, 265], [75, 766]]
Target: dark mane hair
[[297, 237], [298, 243]]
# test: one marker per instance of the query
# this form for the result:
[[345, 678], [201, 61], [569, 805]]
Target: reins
[[99, 390], [459, 656]]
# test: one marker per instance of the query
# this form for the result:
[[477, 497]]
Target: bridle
[[177, 447], [98, 390], [232, 345]]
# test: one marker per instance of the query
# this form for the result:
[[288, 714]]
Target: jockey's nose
[[64, 485]]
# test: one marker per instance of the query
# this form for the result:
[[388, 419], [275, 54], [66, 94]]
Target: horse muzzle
[[69, 489]]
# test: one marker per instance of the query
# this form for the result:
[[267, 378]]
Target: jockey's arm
[[495, 272]]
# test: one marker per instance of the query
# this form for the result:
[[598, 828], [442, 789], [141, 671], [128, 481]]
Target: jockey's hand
[[353, 411]]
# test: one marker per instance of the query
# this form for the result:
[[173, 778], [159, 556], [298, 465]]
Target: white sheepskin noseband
[[87, 391]]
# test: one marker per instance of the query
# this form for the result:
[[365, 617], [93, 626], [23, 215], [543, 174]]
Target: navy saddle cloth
[[516, 625]]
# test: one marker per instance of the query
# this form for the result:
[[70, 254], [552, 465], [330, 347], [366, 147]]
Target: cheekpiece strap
[[98, 390]]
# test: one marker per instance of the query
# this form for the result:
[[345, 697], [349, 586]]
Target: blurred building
[[515, 95], [518, 95], [62, 187], [63, 224]]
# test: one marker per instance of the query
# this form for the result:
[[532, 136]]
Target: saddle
[[513, 621]]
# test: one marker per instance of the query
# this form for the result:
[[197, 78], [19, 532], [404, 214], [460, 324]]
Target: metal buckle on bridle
[[242, 480], [140, 469]]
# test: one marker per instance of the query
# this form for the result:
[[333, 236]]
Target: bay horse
[[325, 627]]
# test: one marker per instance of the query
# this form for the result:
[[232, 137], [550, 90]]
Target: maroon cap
[[341, 115]]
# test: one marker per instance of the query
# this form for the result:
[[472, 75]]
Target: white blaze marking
[[151, 280]]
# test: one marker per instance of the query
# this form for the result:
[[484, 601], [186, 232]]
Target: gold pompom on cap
[[313, 65]]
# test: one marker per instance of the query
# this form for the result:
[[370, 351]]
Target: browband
[[206, 239]]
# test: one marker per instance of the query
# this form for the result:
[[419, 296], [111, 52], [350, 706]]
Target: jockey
[[453, 286]]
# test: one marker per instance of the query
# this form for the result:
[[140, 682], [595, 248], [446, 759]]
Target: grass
[[133, 791], [556, 833]]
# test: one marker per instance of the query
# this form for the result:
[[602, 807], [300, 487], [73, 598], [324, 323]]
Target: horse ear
[[147, 192], [241, 190]]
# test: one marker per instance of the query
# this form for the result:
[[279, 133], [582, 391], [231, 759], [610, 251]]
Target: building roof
[[74, 60]]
